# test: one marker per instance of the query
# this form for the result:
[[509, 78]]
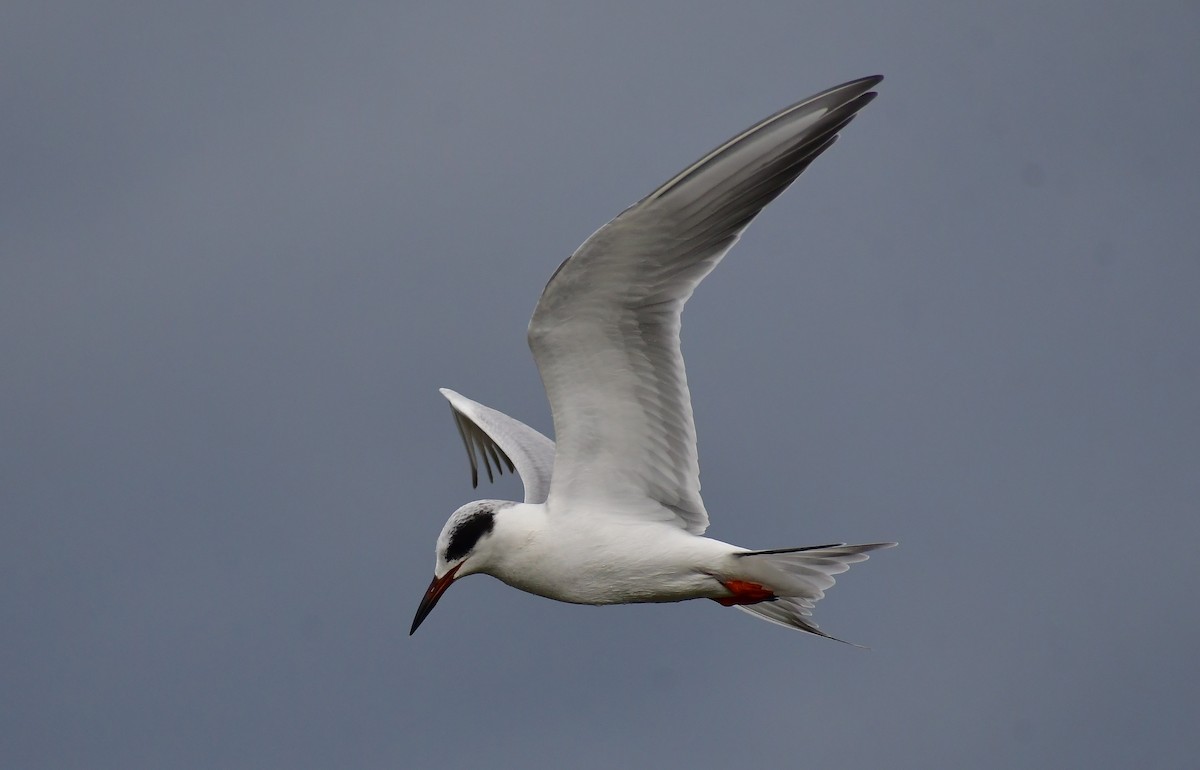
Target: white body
[[615, 560]]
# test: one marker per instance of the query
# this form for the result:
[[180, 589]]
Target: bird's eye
[[464, 536]]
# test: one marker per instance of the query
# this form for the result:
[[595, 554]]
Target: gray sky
[[241, 247]]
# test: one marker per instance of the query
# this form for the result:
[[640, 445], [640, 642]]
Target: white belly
[[616, 564]]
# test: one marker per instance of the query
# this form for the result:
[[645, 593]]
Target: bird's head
[[463, 548]]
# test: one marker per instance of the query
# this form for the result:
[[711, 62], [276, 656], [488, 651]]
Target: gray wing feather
[[496, 440], [605, 333]]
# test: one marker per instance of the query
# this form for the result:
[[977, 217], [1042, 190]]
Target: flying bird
[[612, 511]]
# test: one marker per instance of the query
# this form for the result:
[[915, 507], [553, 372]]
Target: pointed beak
[[432, 594]]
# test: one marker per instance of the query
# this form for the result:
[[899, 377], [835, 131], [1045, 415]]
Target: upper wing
[[496, 438], [605, 333]]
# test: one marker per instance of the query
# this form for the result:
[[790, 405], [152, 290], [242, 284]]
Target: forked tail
[[799, 578]]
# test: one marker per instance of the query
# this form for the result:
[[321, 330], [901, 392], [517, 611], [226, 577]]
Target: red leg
[[744, 592]]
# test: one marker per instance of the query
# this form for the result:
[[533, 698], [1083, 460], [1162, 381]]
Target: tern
[[612, 512]]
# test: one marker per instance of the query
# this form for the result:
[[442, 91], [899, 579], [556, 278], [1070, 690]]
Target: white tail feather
[[799, 577]]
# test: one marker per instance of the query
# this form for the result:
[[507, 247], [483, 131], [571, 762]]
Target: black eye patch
[[464, 537]]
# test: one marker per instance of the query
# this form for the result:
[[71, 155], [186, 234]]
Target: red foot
[[744, 592]]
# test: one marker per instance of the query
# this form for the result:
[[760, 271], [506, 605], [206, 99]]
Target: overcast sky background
[[241, 245]]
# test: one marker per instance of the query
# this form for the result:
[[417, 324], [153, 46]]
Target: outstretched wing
[[605, 333], [498, 440]]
